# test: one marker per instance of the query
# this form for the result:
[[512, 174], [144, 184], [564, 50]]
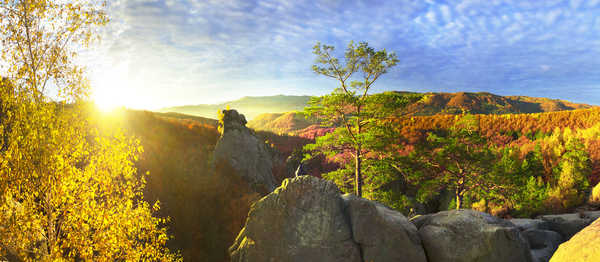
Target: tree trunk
[[358, 176], [459, 199]]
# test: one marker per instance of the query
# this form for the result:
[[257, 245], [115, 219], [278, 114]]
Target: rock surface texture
[[470, 236], [307, 219], [567, 225], [240, 149], [302, 220], [582, 247], [382, 233], [543, 243]]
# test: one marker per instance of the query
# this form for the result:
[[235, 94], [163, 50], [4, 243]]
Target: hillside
[[433, 104], [280, 122], [206, 207], [250, 106], [487, 103]]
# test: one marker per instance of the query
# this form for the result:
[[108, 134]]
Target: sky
[[159, 53]]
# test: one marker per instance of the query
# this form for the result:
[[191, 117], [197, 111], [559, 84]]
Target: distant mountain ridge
[[487, 103], [250, 106], [276, 113], [433, 104]]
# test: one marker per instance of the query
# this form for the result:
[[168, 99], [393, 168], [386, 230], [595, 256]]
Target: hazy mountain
[[433, 104], [249, 106], [487, 103]]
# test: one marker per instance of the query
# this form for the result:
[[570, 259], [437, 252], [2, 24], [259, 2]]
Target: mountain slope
[[279, 122], [249, 106], [206, 206], [433, 104], [487, 103]]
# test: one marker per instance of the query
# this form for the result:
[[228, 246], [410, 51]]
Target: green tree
[[347, 106], [572, 174], [69, 189], [459, 161]]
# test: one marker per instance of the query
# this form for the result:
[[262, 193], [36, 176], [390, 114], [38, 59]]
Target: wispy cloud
[[201, 51]]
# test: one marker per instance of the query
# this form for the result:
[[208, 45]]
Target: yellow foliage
[[68, 190], [595, 197]]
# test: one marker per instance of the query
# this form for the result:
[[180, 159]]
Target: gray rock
[[582, 247], [567, 225], [543, 243], [420, 220], [470, 236], [529, 224], [240, 149], [302, 220], [383, 234], [593, 215]]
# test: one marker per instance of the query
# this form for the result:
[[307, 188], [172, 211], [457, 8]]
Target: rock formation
[[306, 219], [582, 247], [239, 148], [567, 225], [542, 241], [467, 235], [302, 220], [383, 234]]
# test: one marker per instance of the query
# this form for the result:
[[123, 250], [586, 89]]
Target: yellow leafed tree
[[69, 189]]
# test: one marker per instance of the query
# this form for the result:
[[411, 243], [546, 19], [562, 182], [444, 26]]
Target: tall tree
[[347, 106], [459, 161], [69, 190]]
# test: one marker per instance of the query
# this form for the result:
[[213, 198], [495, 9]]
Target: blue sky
[[158, 53]]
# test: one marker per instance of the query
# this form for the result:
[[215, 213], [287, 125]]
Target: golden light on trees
[[69, 190]]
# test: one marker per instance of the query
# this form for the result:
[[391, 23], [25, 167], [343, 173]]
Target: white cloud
[[431, 17], [196, 51], [445, 10]]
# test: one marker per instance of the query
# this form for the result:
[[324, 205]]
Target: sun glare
[[105, 102], [109, 88]]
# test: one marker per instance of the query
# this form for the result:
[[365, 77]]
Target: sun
[[106, 97], [114, 87], [105, 102], [109, 87]]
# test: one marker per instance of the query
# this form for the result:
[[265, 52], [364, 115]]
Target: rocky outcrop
[[467, 235], [302, 220], [530, 224], [306, 219], [543, 243], [240, 149], [567, 225], [382, 233], [582, 247]]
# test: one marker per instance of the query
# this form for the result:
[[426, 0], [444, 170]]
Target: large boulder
[[471, 236], [567, 225], [302, 220], [382, 233], [582, 247], [530, 224], [543, 243], [240, 148]]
